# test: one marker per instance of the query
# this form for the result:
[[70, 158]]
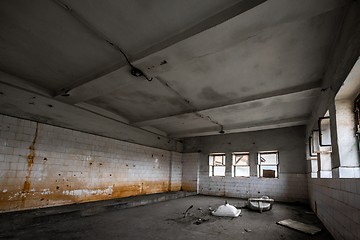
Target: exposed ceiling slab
[[156, 22], [232, 65], [141, 101], [42, 44]]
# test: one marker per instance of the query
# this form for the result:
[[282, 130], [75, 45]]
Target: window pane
[[268, 158], [218, 160], [241, 171], [219, 171], [268, 171], [217, 164], [211, 160], [241, 159]]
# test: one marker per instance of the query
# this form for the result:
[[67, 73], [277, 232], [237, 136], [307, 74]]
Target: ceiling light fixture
[[134, 70]]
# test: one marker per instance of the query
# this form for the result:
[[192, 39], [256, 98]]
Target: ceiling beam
[[103, 112], [248, 127], [306, 88]]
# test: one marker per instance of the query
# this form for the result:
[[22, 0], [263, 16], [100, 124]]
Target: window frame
[[321, 132], [212, 171], [233, 164], [312, 152], [259, 164], [316, 141]]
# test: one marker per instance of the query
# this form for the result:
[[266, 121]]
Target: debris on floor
[[260, 204], [247, 230], [226, 210], [200, 209], [187, 210], [302, 227], [200, 221]]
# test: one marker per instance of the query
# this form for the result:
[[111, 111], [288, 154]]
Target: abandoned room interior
[[139, 119]]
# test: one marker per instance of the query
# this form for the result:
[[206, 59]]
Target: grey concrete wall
[[291, 184]]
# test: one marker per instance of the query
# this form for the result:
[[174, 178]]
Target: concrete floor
[[162, 220]]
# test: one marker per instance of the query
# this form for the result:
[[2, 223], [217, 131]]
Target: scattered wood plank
[[299, 226]]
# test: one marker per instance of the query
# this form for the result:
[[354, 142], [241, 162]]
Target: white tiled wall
[[176, 171], [190, 171], [337, 204], [71, 166], [287, 188]]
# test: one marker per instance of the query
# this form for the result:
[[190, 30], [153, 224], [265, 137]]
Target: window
[[240, 164], [217, 164], [268, 164]]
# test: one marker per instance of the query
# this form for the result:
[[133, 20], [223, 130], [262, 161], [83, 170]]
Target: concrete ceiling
[[232, 65]]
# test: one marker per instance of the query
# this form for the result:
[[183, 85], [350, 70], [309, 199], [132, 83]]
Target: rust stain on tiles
[[30, 163], [188, 187], [175, 187], [26, 186], [140, 188], [46, 194]]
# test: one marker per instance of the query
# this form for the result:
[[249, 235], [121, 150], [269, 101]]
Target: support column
[[347, 154], [324, 165], [253, 164], [228, 165], [314, 168]]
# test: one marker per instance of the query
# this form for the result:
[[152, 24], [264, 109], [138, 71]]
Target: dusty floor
[[162, 220]]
